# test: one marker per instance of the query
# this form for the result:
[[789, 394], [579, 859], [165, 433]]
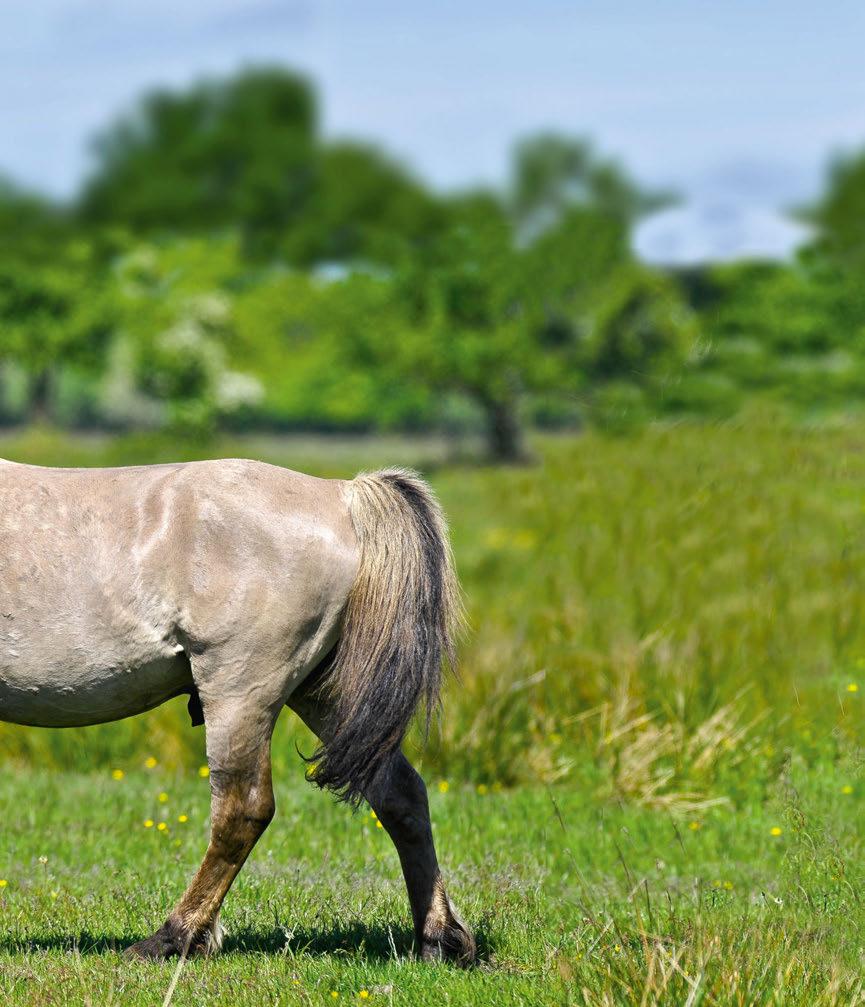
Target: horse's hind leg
[[398, 797], [238, 753]]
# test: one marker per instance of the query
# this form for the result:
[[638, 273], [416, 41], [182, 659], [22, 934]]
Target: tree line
[[223, 264]]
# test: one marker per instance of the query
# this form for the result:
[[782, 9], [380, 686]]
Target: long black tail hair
[[400, 625]]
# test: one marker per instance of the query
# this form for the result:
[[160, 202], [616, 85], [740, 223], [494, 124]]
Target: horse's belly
[[94, 696]]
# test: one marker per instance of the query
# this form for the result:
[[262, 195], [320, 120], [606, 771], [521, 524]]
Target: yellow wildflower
[[3, 882], [525, 538], [694, 826], [852, 687], [444, 787], [183, 818], [148, 823], [204, 772], [482, 789], [846, 789], [378, 825], [775, 831], [163, 797], [728, 885], [117, 774], [150, 762], [363, 994], [496, 537], [162, 827]]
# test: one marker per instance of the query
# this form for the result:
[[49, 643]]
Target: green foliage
[[641, 332], [244, 154], [494, 317], [793, 332], [365, 208], [220, 154], [553, 173], [839, 215], [179, 335], [54, 311], [619, 407], [421, 309], [350, 297]]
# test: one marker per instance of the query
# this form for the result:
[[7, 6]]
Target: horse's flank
[[110, 579]]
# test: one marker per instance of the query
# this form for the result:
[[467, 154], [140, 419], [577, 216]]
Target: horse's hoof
[[169, 941], [155, 948], [452, 943]]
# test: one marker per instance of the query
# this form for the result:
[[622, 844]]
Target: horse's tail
[[401, 620]]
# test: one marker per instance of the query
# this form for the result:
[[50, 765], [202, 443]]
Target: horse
[[249, 587]]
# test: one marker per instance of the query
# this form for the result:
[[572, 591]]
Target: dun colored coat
[[249, 587]]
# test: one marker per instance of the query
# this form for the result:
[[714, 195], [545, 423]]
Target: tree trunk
[[504, 432], [40, 397]]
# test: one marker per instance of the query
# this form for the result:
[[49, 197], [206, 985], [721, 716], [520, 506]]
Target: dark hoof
[[155, 948], [169, 941], [452, 943]]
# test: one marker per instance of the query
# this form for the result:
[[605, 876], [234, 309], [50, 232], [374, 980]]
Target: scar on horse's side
[[250, 588]]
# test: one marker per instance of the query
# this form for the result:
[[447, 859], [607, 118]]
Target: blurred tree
[[795, 330], [641, 328], [839, 215], [304, 335], [488, 317], [552, 173], [175, 308], [53, 308], [504, 300], [364, 208], [223, 153], [244, 153]]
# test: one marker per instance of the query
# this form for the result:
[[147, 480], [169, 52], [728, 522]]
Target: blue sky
[[736, 104]]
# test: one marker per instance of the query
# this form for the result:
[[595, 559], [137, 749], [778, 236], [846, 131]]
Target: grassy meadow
[[646, 784]]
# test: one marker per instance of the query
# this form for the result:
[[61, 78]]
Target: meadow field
[[646, 783]]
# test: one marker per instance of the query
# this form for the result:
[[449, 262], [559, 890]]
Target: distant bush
[[619, 408], [709, 394]]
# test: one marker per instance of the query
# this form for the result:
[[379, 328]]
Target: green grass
[[575, 900], [666, 630]]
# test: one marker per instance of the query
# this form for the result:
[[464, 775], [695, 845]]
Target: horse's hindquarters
[[79, 701]]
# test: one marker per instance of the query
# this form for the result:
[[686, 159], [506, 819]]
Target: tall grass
[[663, 617]]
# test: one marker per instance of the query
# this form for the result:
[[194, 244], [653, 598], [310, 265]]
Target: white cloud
[[717, 232]]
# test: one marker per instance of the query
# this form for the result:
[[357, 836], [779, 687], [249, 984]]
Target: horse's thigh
[[241, 694]]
